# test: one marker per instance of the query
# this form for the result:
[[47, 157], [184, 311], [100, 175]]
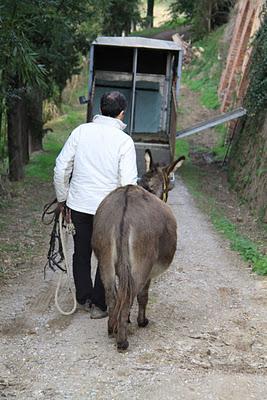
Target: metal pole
[[133, 91], [210, 123], [90, 83], [179, 73]]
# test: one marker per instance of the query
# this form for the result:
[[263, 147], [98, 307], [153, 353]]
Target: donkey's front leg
[[142, 299]]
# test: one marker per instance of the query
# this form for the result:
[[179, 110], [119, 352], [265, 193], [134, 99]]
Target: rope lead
[[57, 252], [67, 266]]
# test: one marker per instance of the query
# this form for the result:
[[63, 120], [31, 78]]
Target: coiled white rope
[[62, 273]]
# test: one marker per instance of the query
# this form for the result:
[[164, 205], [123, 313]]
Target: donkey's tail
[[125, 290], [126, 287]]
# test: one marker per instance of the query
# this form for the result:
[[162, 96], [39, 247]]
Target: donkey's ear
[[148, 160], [172, 167]]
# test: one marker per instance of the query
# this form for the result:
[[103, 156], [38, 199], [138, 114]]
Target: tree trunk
[[209, 16], [2, 132], [14, 131], [25, 132], [150, 13], [35, 120]]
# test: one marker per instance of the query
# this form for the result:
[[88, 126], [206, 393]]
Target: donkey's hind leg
[[122, 342], [142, 299], [111, 300], [109, 281]]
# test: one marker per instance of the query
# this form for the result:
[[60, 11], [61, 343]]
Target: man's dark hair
[[112, 104]]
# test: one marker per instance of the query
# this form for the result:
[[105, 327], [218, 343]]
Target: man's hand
[[66, 213], [61, 207]]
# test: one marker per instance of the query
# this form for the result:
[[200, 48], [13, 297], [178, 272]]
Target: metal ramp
[[220, 119]]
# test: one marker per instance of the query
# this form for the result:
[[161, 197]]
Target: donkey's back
[[134, 223]]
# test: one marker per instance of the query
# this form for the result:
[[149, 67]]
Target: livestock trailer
[[148, 73]]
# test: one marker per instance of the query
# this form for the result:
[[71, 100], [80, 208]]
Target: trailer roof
[[136, 41]]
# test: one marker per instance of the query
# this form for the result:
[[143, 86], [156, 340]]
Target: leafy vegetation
[[205, 15], [118, 16], [41, 46], [150, 32], [256, 98]]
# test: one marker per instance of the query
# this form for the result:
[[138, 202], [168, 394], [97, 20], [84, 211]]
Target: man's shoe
[[97, 313], [86, 306]]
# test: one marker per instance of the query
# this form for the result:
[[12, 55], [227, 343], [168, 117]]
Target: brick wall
[[234, 80]]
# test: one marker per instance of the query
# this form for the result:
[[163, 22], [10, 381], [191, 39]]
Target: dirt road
[[207, 337]]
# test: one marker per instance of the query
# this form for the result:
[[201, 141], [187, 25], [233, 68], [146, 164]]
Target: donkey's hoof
[[121, 346], [143, 323]]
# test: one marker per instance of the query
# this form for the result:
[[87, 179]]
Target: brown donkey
[[134, 240]]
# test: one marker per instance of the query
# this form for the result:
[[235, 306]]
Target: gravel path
[[206, 338]]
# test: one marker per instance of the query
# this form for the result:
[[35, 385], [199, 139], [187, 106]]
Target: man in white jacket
[[96, 158]]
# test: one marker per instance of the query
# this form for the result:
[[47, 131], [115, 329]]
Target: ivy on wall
[[256, 98], [247, 168]]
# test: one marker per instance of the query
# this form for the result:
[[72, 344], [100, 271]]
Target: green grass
[[9, 247], [202, 76], [195, 180], [150, 32], [246, 248], [182, 148], [204, 73], [219, 150], [42, 164]]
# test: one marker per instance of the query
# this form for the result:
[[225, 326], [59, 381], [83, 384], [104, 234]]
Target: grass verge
[[204, 73], [182, 148], [245, 247], [195, 180]]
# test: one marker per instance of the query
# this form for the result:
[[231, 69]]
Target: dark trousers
[[82, 262]]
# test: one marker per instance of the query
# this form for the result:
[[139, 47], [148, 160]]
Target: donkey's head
[[157, 178]]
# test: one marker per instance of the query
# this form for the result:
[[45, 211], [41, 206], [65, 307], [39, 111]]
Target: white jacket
[[96, 158]]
